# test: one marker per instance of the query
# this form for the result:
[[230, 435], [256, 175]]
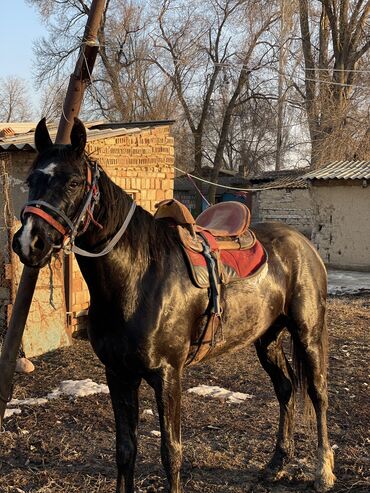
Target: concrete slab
[[348, 282]]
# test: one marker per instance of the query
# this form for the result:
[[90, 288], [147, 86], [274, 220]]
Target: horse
[[144, 308]]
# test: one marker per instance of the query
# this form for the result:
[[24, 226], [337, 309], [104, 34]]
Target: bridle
[[83, 218]]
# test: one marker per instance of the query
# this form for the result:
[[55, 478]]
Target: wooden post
[[78, 82]]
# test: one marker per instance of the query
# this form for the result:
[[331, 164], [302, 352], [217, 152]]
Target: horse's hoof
[[325, 477], [275, 470], [325, 482]]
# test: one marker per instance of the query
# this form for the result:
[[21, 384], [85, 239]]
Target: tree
[[335, 41], [14, 100], [197, 44], [125, 85]]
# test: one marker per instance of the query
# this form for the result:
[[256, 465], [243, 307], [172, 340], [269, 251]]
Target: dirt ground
[[67, 445]]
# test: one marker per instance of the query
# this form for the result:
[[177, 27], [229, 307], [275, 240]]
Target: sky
[[20, 27]]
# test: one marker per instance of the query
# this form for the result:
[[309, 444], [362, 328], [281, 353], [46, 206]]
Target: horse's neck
[[134, 251]]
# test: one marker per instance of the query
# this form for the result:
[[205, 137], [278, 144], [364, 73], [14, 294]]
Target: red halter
[[86, 210]]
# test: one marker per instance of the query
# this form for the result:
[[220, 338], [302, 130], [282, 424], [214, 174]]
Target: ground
[[67, 445]]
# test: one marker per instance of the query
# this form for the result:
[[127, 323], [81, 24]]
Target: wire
[[197, 189], [333, 83], [359, 71], [233, 65]]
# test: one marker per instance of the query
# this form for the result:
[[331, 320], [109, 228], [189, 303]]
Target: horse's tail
[[300, 369]]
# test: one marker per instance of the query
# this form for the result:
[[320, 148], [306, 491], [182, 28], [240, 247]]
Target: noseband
[[84, 217]]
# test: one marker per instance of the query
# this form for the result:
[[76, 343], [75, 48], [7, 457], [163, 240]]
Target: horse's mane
[[147, 236]]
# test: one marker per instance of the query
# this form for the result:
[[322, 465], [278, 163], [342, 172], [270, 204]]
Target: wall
[[291, 206], [341, 231]]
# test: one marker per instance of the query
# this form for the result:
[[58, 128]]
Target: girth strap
[[212, 333]]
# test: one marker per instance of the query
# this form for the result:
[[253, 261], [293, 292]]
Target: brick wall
[[140, 162]]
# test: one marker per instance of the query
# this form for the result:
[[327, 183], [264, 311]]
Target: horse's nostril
[[39, 244]]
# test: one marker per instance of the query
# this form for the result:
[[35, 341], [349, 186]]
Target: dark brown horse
[[144, 308]]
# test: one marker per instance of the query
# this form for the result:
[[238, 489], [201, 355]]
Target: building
[[283, 196], [271, 196], [139, 157], [341, 200]]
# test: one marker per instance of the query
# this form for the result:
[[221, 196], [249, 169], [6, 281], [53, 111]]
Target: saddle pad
[[236, 264]]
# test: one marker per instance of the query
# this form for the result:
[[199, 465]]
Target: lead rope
[[198, 189], [51, 286]]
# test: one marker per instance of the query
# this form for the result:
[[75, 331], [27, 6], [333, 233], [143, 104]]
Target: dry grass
[[68, 445]]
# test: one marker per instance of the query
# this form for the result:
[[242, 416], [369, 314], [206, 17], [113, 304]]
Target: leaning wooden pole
[[72, 104]]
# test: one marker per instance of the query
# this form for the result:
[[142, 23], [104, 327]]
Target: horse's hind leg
[[272, 357], [167, 387], [124, 397], [310, 346]]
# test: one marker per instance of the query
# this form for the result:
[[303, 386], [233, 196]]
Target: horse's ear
[[78, 137], [42, 137]]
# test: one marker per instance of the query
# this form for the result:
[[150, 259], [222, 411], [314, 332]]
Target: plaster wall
[[342, 230], [290, 206]]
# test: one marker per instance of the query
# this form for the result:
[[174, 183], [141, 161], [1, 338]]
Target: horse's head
[[59, 180]]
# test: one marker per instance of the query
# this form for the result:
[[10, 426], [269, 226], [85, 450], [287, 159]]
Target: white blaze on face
[[49, 170], [25, 238]]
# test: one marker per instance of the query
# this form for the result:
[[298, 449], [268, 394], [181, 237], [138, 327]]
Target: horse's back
[[292, 256]]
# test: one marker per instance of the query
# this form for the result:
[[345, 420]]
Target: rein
[[85, 215]]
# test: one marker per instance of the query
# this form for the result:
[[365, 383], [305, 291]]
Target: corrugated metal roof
[[25, 141], [287, 182], [282, 174], [341, 170]]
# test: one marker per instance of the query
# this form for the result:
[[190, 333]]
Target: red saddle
[[224, 227]]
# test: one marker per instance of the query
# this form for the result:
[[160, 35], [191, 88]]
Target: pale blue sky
[[20, 26]]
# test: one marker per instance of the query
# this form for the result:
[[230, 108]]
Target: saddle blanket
[[235, 264]]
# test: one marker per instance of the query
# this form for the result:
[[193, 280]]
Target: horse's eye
[[73, 184]]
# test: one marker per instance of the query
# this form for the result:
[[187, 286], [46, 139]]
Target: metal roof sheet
[[25, 141], [282, 174], [287, 182], [341, 170]]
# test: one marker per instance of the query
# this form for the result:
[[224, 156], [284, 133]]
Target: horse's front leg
[[167, 387], [124, 397]]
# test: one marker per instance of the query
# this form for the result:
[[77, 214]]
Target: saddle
[[227, 222], [219, 248]]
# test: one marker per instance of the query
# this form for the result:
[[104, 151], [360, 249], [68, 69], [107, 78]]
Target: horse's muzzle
[[34, 250]]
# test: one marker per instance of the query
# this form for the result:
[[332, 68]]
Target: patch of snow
[[341, 282], [220, 393], [32, 401], [72, 388], [155, 433], [10, 412], [78, 388]]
